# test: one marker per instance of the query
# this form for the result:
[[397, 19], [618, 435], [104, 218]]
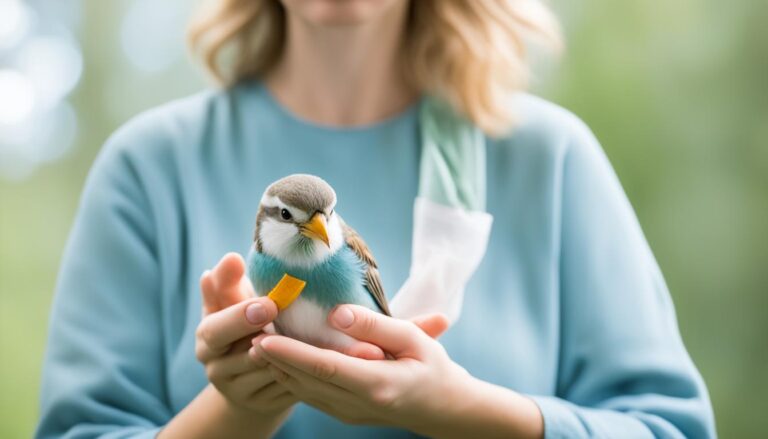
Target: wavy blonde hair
[[469, 53]]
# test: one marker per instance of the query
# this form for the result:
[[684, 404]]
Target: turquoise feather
[[339, 279]]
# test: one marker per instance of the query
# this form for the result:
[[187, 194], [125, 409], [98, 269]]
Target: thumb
[[226, 284], [434, 325]]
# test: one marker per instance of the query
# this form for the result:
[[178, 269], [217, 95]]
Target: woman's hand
[[244, 401], [402, 393], [232, 317], [422, 390]]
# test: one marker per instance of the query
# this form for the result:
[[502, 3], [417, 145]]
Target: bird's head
[[296, 222]]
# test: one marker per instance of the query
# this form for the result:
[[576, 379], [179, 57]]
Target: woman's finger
[[327, 397], [304, 384], [283, 399], [270, 392], [432, 324], [245, 385], [398, 337], [364, 350], [323, 364], [241, 345], [227, 276], [226, 284], [219, 330], [207, 290], [253, 381], [255, 351], [230, 366]]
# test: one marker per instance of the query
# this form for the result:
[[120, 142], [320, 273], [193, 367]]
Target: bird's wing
[[372, 277]]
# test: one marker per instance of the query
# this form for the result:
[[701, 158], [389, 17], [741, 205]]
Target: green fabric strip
[[452, 168]]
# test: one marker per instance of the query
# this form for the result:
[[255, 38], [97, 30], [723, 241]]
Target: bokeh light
[[15, 21], [40, 65], [53, 64], [18, 97]]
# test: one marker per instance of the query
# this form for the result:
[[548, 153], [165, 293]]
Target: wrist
[[473, 407], [211, 415], [243, 419], [245, 415], [443, 406]]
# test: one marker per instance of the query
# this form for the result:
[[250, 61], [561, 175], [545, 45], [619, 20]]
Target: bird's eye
[[285, 214]]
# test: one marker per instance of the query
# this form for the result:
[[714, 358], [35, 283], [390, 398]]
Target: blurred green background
[[677, 92]]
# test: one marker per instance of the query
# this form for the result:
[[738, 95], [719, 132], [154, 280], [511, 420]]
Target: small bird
[[299, 233]]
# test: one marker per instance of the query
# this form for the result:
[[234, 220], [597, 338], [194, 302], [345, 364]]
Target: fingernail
[[256, 314], [263, 346], [343, 317]]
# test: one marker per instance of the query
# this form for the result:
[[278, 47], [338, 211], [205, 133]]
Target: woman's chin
[[339, 13]]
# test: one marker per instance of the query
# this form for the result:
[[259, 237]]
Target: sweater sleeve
[[103, 373], [623, 370]]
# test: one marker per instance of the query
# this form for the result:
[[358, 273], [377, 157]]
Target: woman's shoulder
[[177, 122], [548, 145], [170, 139], [153, 152], [545, 127]]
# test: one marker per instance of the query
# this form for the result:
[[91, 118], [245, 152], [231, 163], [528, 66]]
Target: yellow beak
[[315, 228]]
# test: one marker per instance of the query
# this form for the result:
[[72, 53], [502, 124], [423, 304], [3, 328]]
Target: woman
[[567, 329]]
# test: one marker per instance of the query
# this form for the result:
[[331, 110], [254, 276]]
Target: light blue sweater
[[568, 305]]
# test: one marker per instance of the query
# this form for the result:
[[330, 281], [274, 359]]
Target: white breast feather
[[307, 321]]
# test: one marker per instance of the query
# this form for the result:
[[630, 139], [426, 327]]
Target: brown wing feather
[[372, 277]]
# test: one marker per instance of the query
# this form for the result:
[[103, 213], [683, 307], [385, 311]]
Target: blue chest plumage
[[338, 279]]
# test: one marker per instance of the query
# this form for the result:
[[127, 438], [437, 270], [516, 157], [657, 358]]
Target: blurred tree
[[677, 92]]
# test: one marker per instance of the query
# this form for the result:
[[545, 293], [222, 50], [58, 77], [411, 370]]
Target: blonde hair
[[470, 53]]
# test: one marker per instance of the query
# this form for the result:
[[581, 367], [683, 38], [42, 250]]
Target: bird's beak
[[315, 228]]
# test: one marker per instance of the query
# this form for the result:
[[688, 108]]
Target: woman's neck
[[343, 75]]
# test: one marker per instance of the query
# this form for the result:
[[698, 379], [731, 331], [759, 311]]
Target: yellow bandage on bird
[[286, 291]]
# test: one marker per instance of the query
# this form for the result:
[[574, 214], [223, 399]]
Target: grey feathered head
[[296, 218], [303, 191]]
